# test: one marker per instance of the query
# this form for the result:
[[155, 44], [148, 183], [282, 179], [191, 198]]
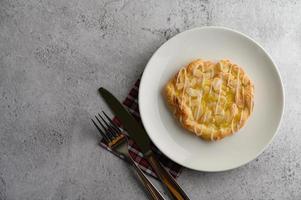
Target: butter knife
[[139, 135]]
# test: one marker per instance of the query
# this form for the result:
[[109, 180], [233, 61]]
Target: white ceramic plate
[[213, 43]]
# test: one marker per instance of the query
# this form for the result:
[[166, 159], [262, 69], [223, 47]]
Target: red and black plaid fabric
[[131, 103]]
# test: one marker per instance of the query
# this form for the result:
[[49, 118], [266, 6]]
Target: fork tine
[[106, 128], [106, 139], [113, 131], [111, 122]]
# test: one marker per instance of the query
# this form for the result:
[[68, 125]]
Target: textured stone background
[[54, 54]]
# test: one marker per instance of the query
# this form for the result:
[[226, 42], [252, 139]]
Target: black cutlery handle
[[153, 192], [175, 190]]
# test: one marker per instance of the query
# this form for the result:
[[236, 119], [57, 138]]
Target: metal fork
[[118, 142]]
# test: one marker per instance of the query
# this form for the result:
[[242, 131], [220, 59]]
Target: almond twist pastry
[[211, 100]]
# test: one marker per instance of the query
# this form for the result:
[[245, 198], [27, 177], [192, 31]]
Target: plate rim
[[270, 59]]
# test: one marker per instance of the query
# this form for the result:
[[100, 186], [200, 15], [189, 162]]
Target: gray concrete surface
[[54, 54]]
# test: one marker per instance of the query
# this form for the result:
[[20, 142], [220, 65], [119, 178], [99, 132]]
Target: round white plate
[[211, 43]]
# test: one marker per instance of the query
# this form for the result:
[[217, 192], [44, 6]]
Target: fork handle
[[152, 190], [175, 190]]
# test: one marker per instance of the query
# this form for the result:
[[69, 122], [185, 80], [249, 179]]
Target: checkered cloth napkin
[[131, 103]]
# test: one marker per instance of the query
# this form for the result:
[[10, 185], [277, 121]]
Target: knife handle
[[175, 190]]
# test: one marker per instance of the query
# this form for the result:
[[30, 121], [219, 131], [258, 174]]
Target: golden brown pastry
[[212, 100]]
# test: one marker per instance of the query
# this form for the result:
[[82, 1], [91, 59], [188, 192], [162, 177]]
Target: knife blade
[[136, 131], [139, 135]]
